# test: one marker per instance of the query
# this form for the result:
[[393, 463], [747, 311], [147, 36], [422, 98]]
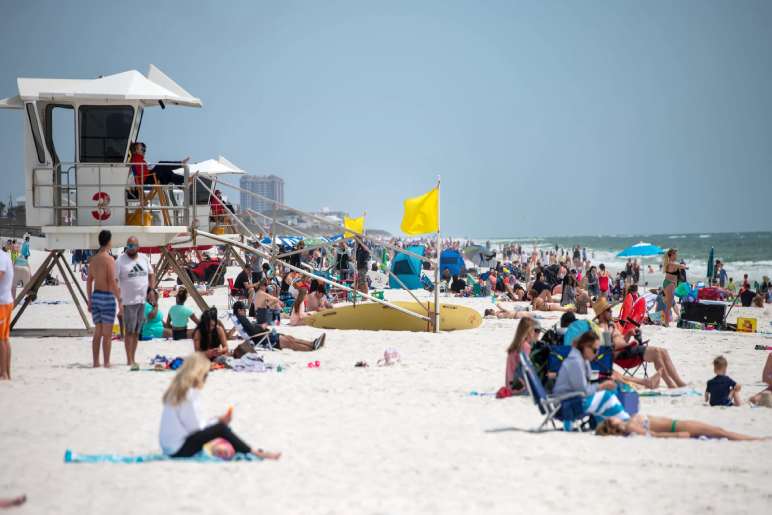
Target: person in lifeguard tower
[[218, 212], [163, 173]]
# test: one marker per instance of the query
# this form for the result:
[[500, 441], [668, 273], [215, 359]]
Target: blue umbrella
[[641, 250]]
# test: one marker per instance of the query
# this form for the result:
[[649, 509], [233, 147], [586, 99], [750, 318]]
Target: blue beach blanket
[[74, 457]]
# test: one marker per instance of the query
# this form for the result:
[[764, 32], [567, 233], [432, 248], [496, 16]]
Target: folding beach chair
[[259, 340], [551, 406], [630, 366], [234, 293]]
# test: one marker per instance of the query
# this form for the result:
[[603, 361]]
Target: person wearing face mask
[[135, 276]]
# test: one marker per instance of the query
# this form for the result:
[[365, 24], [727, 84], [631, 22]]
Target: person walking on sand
[[134, 277], [102, 292], [6, 309]]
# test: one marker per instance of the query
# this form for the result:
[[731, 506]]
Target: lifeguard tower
[[71, 201]]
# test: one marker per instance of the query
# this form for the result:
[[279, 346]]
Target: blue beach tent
[[407, 268], [453, 261]]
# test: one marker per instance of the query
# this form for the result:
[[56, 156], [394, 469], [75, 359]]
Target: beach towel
[[604, 404], [74, 457], [251, 362], [675, 392]]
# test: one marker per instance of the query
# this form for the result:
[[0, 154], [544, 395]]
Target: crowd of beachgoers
[[523, 285]]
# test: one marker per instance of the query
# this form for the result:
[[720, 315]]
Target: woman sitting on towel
[[528, 331], [663, 427], [184, 432], [179, 314], [153, 327], [574, 376], [209, 337]]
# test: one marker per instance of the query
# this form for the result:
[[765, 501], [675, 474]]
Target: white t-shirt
[[178, 422], [133, 277], [7, 281]]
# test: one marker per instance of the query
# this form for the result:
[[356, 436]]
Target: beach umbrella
[[641, 250], [710, 266]]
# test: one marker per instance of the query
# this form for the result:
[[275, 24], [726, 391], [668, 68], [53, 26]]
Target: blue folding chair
[[603, 361], [566, 407]]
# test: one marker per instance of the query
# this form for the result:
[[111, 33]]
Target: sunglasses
[[132, 246]]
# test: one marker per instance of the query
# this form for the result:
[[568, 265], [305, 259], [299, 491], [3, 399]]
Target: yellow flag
[[357, 225], [422, 213]]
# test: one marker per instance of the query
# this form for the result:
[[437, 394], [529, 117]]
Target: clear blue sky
[[543, 118]]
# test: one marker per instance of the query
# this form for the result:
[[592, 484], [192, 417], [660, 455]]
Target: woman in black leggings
[[183, 430]]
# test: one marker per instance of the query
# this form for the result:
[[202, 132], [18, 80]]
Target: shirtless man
[[102, 291]]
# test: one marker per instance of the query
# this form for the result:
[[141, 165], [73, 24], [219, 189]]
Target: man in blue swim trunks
[[102, 291]]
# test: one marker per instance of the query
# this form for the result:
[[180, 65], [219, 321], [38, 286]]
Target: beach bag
[[628, 397], [682, 290], [243, 348]]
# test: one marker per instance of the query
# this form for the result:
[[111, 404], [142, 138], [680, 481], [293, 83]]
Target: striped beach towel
[[604, 404]]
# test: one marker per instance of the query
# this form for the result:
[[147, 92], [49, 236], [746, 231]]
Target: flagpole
[[437, 267]]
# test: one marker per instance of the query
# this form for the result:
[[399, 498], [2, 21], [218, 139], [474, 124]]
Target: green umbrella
[[710, 266]]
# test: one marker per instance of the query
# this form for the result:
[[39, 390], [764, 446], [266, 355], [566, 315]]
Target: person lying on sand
[[500, 312], [277, 341], [184, 432], [663, 427], [543, 302]]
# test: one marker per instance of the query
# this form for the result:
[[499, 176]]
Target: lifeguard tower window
[[34, 127], [60, 133], [104, 133]]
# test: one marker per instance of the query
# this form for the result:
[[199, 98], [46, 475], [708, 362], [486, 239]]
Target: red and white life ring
[[102, 211]]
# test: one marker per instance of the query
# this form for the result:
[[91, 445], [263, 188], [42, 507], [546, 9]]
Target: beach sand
[[403, 439]]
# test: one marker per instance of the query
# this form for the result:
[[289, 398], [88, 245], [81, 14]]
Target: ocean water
[[741, 252]]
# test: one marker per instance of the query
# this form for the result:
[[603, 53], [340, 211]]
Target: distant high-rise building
[[269, 186]]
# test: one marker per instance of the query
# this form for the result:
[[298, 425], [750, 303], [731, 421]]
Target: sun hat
[[601, 305]]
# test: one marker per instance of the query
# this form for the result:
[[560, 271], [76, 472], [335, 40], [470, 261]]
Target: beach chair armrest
[[565, 396]]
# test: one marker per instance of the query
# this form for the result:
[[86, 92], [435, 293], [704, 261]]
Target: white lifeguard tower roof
[[154, 89]]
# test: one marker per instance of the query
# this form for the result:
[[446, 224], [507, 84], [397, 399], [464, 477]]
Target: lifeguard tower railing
[[92, 194]]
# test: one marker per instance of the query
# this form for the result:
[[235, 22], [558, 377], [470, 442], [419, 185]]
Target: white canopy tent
[[154, 89]]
